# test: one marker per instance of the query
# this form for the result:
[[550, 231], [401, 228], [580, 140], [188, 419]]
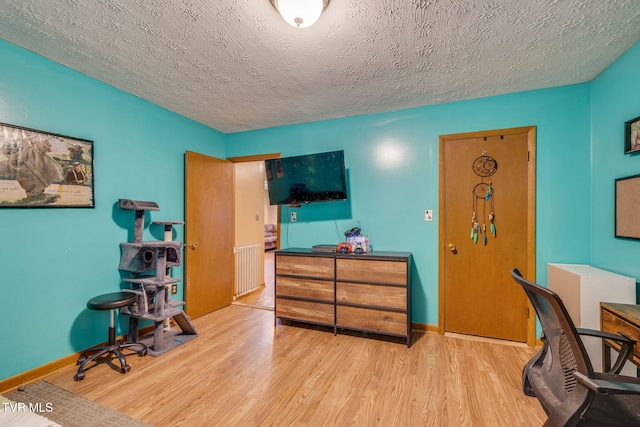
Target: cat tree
[[140, 259]]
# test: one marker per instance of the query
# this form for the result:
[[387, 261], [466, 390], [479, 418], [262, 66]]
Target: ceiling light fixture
[[300, 13]]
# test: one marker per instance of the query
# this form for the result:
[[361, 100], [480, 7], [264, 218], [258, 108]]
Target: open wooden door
[[477, 294], [208, 234]]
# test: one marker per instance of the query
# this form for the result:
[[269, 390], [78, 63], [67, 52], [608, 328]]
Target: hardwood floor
[[245, 371]]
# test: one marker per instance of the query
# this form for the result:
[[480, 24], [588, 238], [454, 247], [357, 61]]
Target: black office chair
[[560, 375], [110, 302]]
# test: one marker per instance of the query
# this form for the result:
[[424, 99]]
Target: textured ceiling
[[236, 65]]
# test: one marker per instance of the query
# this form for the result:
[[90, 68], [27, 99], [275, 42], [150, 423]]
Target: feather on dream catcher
[[482, 198]]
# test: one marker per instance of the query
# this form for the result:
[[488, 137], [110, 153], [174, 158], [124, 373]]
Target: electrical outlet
[[428, 215], [294, 216], [174, 289]]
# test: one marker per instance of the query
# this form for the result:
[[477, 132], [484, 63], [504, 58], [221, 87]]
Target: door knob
[[193, 246], [452, 247]]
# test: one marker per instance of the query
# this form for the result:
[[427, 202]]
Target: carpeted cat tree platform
[[141, 259]]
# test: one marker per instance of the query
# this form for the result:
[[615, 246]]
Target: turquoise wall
[[53, 260], [392, 170], [615, 100]]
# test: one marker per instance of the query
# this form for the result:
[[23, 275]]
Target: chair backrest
[[551, 376]]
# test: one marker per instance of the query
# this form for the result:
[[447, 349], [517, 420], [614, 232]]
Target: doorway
[[256, 222], [209, 237], [486, 228]]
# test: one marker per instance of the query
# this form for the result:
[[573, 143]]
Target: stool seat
[[112, 301]]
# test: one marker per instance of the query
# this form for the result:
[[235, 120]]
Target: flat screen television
[[309, 178]]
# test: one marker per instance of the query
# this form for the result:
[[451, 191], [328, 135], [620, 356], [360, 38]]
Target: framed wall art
[[627, 206], [632, 136], [44, 170]]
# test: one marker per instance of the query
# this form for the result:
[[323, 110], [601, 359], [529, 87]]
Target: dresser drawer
[[308, 266], [371, 320], [305, 288], [373, 295], [371, 270], [305, 311]]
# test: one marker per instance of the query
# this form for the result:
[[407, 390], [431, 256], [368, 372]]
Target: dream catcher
[[484, 166]]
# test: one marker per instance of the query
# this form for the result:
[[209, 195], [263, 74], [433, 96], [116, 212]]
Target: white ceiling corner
[[235, 65]]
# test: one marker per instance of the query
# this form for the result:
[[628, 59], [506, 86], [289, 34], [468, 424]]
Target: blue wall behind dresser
[[392, 169]]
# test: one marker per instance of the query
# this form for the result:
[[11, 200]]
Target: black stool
[[110, 302]]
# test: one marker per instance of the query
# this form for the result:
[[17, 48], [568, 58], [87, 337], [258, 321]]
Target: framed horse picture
[[44, 170]]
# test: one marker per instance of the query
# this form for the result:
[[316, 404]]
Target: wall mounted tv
[[310, 178]]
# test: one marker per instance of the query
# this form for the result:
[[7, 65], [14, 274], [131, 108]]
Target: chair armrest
[[626, 342], [620, 337], [606, 387]]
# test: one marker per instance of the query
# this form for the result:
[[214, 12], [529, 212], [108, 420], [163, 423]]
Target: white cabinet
[[582, 288]]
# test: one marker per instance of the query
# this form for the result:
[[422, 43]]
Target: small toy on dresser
[[344, 248], [358, 243]]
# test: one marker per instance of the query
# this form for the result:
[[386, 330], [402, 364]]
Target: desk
[[616, 318]]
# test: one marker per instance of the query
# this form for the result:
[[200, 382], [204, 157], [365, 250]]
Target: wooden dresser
[[369, 292]]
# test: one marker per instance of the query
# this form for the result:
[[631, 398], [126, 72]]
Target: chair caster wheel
[[81, 359], [125, 369], [142, 352], [79, 376]]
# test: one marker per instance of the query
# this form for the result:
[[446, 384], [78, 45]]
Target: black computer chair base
[[110, 302]]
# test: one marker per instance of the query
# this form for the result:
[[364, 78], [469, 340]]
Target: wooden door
[[208, 234], [480, 297]]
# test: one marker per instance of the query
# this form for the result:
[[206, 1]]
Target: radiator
[[247, 269]]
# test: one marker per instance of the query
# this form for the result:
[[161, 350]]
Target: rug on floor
[[68, 409]]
